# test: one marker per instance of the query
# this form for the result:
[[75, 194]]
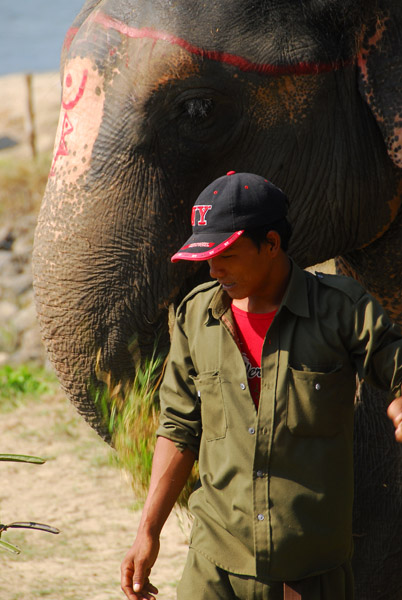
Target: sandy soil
[[78, 491]]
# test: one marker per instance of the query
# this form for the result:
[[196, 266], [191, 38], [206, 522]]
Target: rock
[[24, 237], [4, 359], [16, 285], [22, 247], [25, 319], [20, 340], [6, 238], [8, 311], [30, 349], [6, 256], [7, 142]]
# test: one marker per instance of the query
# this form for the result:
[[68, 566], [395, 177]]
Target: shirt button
[[260, 517], [251, 430], [317, 386], [260, 473], [243, 386]]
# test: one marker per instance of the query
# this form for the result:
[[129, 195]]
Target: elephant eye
[[198, 108]]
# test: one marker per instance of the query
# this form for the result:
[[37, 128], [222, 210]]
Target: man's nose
[[215, 268]]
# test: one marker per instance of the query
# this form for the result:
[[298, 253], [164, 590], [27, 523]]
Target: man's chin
[[234, 294], [228, 288]]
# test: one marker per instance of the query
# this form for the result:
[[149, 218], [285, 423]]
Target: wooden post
[[30, 120]]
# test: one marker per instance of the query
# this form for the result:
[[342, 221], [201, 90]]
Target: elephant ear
[[380, 74]]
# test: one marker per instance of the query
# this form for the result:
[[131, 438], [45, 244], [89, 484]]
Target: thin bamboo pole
[[30, 118]]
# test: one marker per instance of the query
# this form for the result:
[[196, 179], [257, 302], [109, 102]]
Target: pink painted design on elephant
[[70, 35], [62, 150], [67, 126], [72, 103]]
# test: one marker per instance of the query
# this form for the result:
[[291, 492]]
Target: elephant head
[[160, 98]]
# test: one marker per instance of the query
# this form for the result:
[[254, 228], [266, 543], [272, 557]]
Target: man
[[259, 386]]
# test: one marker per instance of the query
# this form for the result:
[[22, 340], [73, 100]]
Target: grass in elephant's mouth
[[132, 420], [22, 185]]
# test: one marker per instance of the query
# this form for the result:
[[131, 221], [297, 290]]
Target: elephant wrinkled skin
[[159, 99]]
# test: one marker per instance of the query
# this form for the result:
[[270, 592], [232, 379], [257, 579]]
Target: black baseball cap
[[225, 208]]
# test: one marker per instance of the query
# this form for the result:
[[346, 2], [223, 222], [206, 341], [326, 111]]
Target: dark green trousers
[[202, 580]]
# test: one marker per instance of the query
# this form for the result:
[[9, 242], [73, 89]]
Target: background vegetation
[[22, 183]]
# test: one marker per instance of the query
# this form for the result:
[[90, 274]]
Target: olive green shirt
[[276, 486]]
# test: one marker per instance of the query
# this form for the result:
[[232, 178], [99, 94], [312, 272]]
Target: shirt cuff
[[180, 441]]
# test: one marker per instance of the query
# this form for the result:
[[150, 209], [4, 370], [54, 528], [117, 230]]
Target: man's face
[[243, 270]]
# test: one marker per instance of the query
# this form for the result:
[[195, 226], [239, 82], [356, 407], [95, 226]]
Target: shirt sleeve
[[180, 418], [377, 346]]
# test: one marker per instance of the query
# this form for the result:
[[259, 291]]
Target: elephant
[[159, 99]]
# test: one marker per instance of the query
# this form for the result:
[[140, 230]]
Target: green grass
[[132, 420], [23, 381]]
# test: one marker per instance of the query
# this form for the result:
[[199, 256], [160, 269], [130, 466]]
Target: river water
[[32, 33]]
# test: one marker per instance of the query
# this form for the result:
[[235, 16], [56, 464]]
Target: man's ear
[[273, 241]]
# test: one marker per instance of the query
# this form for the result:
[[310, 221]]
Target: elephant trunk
[[99, 315]]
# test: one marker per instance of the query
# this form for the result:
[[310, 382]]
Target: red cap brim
[[194, 248]]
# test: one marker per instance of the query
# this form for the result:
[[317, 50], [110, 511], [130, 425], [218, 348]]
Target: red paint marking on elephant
[[302, 68], [80, 93], [70, 35], [66, 129]]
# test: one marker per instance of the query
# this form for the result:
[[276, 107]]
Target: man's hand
[[394, 412], [136, 568]]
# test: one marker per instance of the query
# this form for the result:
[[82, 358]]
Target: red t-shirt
[[252, 329]]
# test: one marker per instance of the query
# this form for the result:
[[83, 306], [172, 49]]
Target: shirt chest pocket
[[213, 416], [319, 404]]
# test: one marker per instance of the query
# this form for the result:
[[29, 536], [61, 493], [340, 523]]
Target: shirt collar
[[296, 295], [295, 298]]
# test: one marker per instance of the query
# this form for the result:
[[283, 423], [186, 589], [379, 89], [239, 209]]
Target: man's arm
[[395, 414], [376, 345], [170, 471]]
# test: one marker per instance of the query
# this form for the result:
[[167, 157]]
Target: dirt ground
[[78, 491]]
